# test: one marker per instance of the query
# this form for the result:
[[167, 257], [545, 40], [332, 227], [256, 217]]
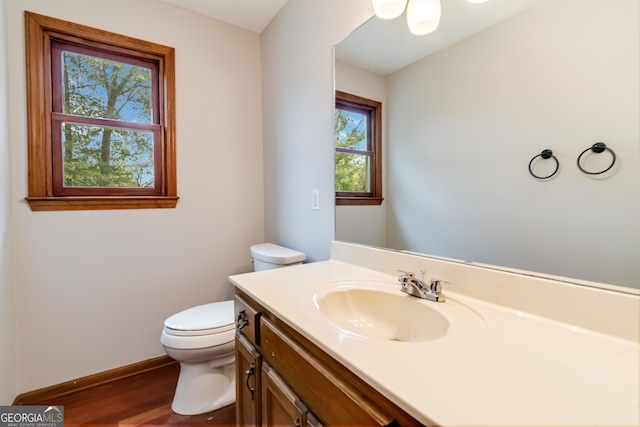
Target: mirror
[[468, 107]]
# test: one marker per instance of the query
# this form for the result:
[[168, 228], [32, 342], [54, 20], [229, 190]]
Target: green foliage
[[96, 156], [351, 170], [130, 163]]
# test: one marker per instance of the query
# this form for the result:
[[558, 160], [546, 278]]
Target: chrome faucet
[[409, 284]]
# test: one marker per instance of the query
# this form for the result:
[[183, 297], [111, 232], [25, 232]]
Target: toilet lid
[[204, 319], [275, 254]]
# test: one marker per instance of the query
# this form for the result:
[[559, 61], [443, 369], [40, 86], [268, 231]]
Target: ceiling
[[381, 46], [385, 46], [252, 15]]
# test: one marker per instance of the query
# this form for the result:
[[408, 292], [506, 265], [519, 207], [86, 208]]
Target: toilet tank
[[267, 256]]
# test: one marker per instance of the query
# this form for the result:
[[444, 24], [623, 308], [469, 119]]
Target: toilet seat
[[200, 327], [206, 319]]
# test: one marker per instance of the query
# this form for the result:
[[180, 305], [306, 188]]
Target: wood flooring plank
[[146, 417]]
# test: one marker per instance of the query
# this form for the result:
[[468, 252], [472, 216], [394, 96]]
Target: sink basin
[[381, 314]]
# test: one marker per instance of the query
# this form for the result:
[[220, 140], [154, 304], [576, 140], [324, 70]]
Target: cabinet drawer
[[247, 320], [316, 383]]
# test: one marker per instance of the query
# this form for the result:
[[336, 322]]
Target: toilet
[[201, 339]]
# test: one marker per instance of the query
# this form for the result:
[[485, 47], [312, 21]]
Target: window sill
[[359, 201], [100, 203]]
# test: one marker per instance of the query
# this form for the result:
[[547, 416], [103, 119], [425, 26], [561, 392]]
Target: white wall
[[466, 121], [94, 287], [7, 278], [298, 105], [363, 224]]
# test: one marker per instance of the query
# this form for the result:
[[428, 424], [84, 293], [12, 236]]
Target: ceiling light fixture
[[389, 9], [423, 16]]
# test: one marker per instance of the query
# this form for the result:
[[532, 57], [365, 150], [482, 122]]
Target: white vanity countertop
[[509, 369]]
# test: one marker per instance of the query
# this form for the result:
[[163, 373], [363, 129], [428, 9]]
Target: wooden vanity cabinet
[[299, 383]]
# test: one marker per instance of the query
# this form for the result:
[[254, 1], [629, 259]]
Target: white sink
[[378, 314]]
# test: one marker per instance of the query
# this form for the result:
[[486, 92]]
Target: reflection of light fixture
[[389, 9], [423, 16]]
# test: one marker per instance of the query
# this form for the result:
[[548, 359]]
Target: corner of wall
[[8, 387], [297, 85]]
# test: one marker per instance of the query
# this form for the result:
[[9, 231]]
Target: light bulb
[[389, 9], [423, 16]]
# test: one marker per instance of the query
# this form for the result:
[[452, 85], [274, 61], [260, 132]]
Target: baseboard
[[55, 391]]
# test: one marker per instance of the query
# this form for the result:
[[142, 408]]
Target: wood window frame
[[40, 31], [374, 197]]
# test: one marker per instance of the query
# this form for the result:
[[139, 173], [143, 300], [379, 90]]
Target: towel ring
[[598, 147], [546, 154]]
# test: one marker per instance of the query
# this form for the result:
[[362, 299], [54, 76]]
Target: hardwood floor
[[139, 400]]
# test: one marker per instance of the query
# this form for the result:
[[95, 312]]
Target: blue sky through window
[[357, 121], [88, 95]]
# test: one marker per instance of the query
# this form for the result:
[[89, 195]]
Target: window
[[358, 157], [101, 119]]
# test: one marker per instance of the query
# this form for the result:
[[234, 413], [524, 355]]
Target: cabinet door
[[248, 363], [280, 406]]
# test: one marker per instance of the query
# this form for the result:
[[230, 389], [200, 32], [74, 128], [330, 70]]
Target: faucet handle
[[436, 285], [404, 275]]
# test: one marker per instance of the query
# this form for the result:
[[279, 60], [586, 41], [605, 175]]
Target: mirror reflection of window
[[358, 156], [353, 151]]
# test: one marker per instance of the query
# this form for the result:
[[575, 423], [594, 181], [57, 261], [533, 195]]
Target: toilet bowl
[[201, 339]]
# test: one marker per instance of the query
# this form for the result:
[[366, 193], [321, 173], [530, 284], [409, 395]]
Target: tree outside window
[[95, 92], [108, 139]]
